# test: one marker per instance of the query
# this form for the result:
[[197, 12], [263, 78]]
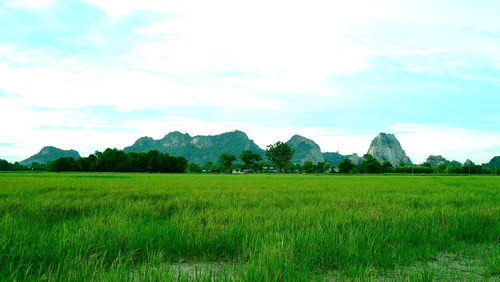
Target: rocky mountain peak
[[50, 153], [47, 150], [176, 135], [437, 160], [305, 150], [355, 159], [386, 147], [200, 148], [494, 163], [235, 134], [469, 162], [297, 139]]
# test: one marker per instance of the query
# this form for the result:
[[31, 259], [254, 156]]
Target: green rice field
[[203, 227]]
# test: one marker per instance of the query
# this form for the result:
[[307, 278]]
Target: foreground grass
[[112, 227]]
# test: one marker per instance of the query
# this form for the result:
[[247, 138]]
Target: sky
[[93, 74]]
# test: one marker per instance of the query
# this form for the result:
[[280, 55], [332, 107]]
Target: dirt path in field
[[476, 263]]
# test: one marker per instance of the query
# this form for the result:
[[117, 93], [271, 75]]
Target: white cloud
[[30, 4], [118, 8], [229, 54], [340, 10], [10, 53], [289, 51], [286, 46], [84, 141], [422, 140], [422, 52], [72, 83]]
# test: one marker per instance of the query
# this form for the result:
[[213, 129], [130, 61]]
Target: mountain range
[[198, 149], [48, 154], [439, 160], [207, 148]]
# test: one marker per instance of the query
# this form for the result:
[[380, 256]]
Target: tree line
[[279, 156], [6, 166], [111, 160], [278, 159], [370, 164]]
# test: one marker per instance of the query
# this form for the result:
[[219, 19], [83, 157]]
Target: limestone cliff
[[199, 149], [305, 150], [48, 154], [385, 147]]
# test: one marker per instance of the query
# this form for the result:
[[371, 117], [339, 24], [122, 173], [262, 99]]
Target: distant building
[[269, 169]]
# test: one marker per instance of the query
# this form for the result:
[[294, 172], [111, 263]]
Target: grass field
[[73, 227]]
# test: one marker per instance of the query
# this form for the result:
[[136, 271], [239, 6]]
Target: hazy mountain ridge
[[199, 149], [493, 163], [436, 160], [48, 154], [203, 148], [334, 158]]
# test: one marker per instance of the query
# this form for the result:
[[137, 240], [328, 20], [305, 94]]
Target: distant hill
[[437, 160], [385, 147], [305, 150], [355, 159], [494, 163], [335, 158], [203, 148], [199, 149], [48, 154]]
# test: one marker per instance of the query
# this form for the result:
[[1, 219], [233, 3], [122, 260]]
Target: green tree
[[36, 166], [114, 160], [209, 167], [426, 164], [280, 154], [292, 168], [346, 166], [226, 161], [63, 164], [250, 159], [19, 167], [5, 165], [370, 164], [308, 167], [322, 167], [387, 167], [194, 168], [441, 168]]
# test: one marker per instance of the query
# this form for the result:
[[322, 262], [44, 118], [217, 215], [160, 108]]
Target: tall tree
[[346, 166], [387, 167], [226, 161], [280, 154], [370, 164], [323, 167], [249, 159], [5, 165], [308, 167], [194, 168], [63, 164]]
